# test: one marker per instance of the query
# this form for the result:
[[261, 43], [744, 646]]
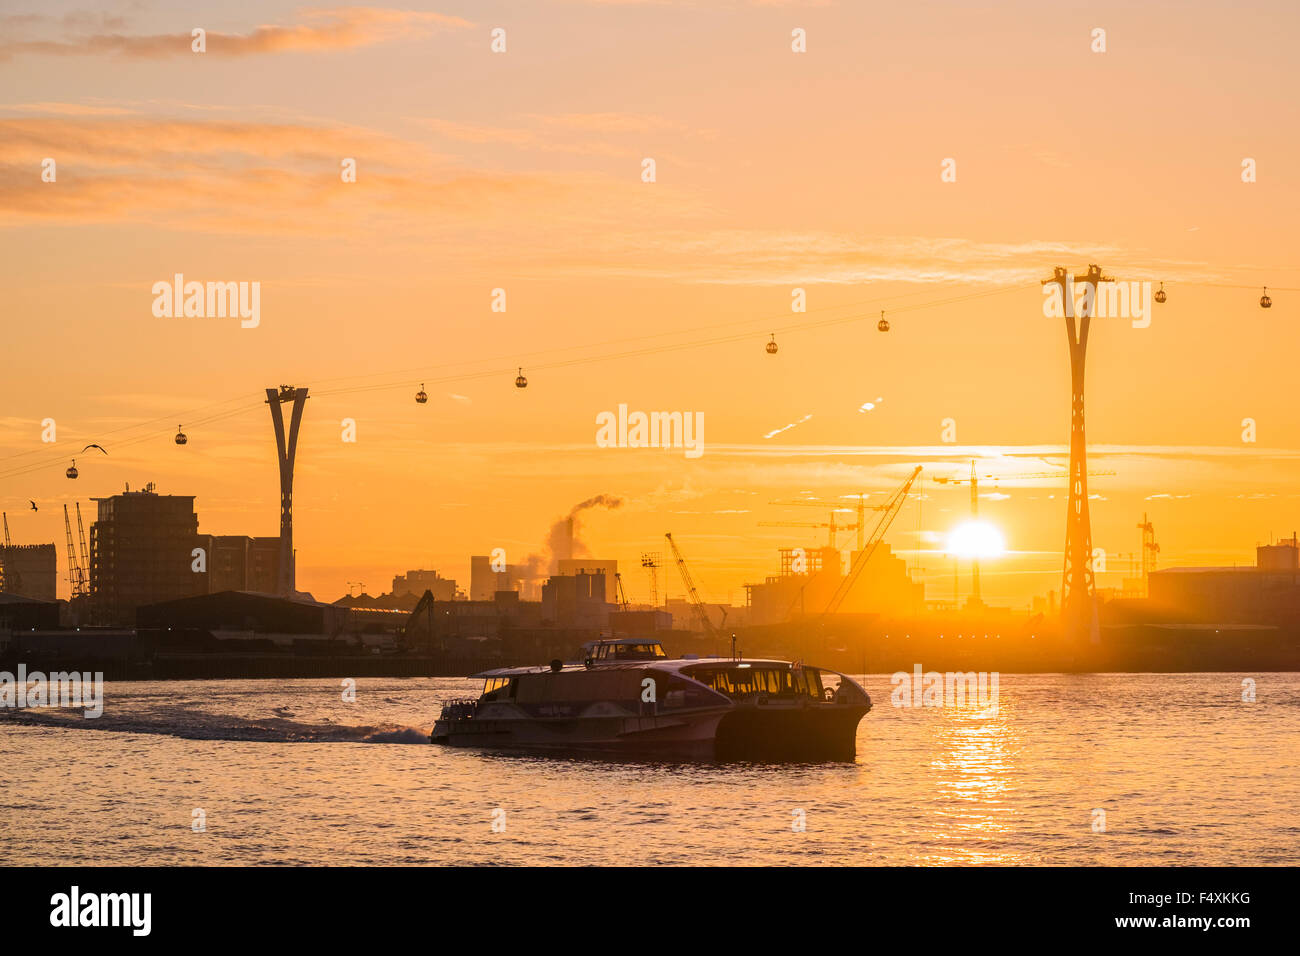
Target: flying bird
[[88, 447], [34, 508]]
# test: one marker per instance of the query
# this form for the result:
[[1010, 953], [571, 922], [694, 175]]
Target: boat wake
[[188, 723]]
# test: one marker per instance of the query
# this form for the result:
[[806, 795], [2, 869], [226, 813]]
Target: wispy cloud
[[319, 30], [247, 176], [66, 109], [785, 428]]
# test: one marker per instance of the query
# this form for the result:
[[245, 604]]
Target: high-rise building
[[237, 562], [29, 570], [809, 579], [417, 582], [141, 552], [571, 566], [576, 600], [484, 582]]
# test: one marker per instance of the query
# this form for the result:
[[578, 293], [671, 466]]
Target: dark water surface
[[287, 772]]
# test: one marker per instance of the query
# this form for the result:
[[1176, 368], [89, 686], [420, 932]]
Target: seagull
[[88, 447], [34, 508]]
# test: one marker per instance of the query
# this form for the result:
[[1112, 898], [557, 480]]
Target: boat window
[[639, 652], [630, 651], [741, 682]]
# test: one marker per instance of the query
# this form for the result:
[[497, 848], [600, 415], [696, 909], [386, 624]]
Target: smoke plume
[[557, 537]]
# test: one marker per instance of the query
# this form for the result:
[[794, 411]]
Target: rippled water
[[288, 773]]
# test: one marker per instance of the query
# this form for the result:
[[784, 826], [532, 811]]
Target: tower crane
[[861, 507], [831, 526], [76, 577], [652, 561], [714, 631], [974, 483], [1149, 547], [85, 555], [3, 586], [890, 511]]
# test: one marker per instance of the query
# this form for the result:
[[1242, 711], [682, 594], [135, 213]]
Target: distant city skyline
[[775, 171]]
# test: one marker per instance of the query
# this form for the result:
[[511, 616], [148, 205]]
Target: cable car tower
[[287, 583], [1078, 594]]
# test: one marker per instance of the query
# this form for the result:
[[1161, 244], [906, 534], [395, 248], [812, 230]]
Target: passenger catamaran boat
[[627, 697]]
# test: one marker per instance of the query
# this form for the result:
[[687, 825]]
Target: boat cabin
[[740, 681], [623, 649]]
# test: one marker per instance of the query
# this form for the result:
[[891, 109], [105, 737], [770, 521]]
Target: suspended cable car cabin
[[180, 436], [1264, 301], [421, 396], [520, 381], [1160, 293], [771, 346], [72, 469], [883, 324]]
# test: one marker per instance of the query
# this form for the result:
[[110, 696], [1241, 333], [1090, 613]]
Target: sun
[[976, 539]]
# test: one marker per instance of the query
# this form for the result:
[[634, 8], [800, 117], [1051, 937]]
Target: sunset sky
[[775, 170]]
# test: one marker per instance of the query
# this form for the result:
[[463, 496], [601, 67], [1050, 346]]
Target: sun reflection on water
[[974, 765]]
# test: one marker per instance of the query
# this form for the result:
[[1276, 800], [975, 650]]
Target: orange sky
[[521, 170]]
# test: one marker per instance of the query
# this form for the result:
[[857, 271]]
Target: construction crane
[[3, 586], [861, 507], [974, 482], [85, 554], [892, 506], [76, 577], [831, 526], [1149, 547], [619, 593], [974, 479], [714, 631], [652, 561]]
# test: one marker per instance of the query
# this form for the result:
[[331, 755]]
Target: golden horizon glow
[[775, 171]]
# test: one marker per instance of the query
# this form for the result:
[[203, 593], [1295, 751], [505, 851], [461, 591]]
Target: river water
[[288, 772]]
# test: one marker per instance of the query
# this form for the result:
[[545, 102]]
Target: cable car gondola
[[1160, 293], [421, 396], [1264, 301], [520, 381], [72, 469], [180, 436], [771, 346], [883, 324]]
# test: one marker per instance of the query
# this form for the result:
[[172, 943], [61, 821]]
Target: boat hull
[[815, 732]]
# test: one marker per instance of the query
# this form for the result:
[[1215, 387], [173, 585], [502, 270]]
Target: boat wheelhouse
[[627, 696]]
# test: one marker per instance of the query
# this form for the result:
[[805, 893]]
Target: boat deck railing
[[459, 709]]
